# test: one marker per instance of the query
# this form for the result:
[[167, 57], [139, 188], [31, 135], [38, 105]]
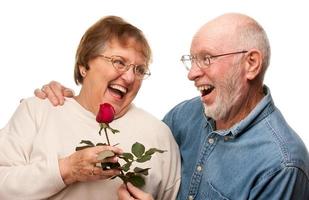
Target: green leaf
[[126, 166], [129, 174], [87, 142], [123, 177], [101, 144], [127, 156], [100, 129], [138, 149], [144, 158], [125, 159], [141, 171], [105, 154], [154, 150], [137, 180], [114, 130], [81, 148]]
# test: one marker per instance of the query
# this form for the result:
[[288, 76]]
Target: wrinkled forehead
[[138, 45], [128, 48], [212, 38]]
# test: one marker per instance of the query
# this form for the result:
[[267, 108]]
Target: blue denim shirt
[[260, 157]]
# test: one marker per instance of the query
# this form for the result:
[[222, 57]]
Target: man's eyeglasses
[[203, 61], [140, 71]]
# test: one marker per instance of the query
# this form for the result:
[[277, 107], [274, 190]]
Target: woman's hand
[[81, 165], [55, 92], [130, 192]]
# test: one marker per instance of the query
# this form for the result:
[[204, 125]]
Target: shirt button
[[211, 140], [199, 168], [190, 197]]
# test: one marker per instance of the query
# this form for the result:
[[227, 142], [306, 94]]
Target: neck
[[85, 100], [242, 109]]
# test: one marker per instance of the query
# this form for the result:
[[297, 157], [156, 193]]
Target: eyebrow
[[126, 60]]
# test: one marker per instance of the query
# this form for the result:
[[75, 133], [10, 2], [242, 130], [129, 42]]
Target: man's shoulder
[[185, 113], [286, 143], [190, 105]]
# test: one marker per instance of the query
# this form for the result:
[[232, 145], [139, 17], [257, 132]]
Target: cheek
[[136, 86]]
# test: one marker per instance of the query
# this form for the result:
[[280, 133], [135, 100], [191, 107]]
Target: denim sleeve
[[288, 183]]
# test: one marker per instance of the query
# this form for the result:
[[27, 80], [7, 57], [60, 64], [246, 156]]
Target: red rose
[[106, 113]]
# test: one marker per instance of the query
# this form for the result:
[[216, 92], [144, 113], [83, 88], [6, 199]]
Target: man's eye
[[205, 60]]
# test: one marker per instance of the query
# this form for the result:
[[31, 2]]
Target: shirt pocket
[[212, 193]]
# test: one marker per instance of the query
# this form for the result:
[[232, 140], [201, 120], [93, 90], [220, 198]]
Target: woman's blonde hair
[[100, 34]]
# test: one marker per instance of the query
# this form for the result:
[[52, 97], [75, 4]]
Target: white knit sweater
[[39, 134]]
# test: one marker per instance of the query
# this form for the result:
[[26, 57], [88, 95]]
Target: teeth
[[204, 87], [120, 88]]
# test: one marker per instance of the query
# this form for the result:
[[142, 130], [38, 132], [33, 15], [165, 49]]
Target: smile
[[118, 90], [205, 89]]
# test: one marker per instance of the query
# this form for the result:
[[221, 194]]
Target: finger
[[67, 92], [50, 95], [137, 193], [106, 173], [123, 193], [113, 159], [116, 150], [90, 155], [39, 93], [57, 89]]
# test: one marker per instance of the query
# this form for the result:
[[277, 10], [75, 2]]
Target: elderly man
[[234, 142]]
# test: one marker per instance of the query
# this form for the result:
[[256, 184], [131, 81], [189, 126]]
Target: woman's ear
[[82, 71], [253, 64]]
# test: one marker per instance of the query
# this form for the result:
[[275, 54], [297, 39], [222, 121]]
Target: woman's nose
[[129, 76]]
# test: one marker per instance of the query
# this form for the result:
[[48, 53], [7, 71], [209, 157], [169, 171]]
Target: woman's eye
[[119, 62], [141, 70]]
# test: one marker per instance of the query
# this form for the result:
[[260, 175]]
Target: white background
[[38, 40]]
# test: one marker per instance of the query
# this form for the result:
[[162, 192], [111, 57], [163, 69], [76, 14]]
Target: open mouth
[[118, 90], [205, 89]]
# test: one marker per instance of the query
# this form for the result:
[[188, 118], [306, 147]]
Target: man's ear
[[253, 64]]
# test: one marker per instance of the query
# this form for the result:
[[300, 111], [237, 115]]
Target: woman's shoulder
[[141, 114], [35, 103], [144, 118]]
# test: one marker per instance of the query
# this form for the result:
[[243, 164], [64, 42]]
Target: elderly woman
[[38, 158]]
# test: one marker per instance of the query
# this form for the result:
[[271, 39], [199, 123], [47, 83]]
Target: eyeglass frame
[[208, 57], [127, 66]]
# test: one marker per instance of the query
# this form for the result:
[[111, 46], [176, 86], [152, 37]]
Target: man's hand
[[129, 192], [55, 92]]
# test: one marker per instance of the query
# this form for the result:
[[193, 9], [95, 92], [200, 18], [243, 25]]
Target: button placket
[[190, 197], [208, 146], [211, 140], [199, 168]]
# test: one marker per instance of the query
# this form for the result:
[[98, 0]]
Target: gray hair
[[252, 35]]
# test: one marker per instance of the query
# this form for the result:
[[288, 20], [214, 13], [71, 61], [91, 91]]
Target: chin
[[215, 111], [120, 111]]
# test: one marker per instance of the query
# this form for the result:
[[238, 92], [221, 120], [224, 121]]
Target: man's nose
[[195, 72]]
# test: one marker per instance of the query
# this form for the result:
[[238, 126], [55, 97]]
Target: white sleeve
[[20, 176], [170, 169]]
